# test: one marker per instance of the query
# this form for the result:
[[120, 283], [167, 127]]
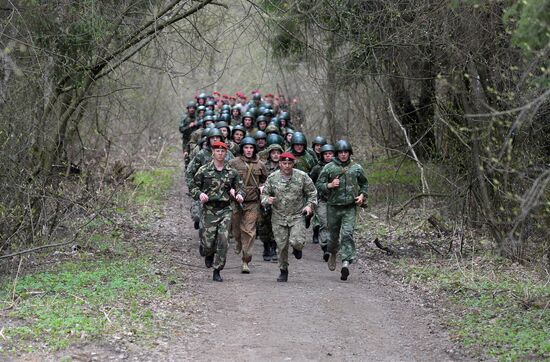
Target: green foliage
[[504, 312], [152, 185], [81, 300], [386, 171]]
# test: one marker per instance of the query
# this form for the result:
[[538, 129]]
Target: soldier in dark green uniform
[[316, 145], [188, 124], [304, 160], [213, 185], [291, 195], [346, 186], [320, 231]]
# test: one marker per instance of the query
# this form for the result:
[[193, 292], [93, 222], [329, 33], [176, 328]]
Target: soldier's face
[[247, 122], [214, 139], [286, 167], [328, 156], [343, 156], [191, 110], [262, 126], [238, 136], [261, 142], [236, 113], [298, 148], [288, 137], [275, 155], [219, 154], [223, 130], [248, 151], [317, 148]]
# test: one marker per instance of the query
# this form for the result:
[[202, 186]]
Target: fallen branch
[[385, 248], [418, 196], [39, 248]]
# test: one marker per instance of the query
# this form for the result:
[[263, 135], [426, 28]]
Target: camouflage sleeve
[[314, 174], [322, 180], [310, 192], [363, 182], [268, 191], [183, 123], [195, 184], [192, 169], [263, 176]]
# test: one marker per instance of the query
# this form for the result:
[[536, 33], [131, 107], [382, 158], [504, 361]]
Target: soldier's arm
[[238, 184], [191, 170], [314, 174], [263, 176], [310, 192], [196, 185], [322, 181], [268, 190], [363, 182]]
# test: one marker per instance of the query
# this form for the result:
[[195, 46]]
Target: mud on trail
[[315, 316]]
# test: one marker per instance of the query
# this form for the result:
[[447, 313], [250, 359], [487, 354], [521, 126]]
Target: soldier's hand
[[271, 200], [307, 211], [261, 189], [203, 198], [239, 199], [185, 153], [232, 193], [334, 183], [359, 200]]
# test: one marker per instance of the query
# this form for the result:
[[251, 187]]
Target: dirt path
[[314, 316]]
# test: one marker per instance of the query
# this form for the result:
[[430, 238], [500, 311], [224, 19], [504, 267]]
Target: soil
[[314, 316]]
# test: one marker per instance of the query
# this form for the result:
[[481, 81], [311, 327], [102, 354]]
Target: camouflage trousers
[[321, 216], [196, 208], [216, 232], [265, 232], [286, 236], [243, 226], [341, 223]]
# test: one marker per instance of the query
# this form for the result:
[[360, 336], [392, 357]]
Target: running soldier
[[291, 195], [346, 187], [213, 185]]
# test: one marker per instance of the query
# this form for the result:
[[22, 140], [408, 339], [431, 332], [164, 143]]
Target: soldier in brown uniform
[[245, 216]]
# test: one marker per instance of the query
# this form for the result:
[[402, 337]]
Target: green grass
[[80, 300], [152, 185], [504, 312], [385, 171]]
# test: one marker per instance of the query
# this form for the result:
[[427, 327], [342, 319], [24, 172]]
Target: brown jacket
[[258, 174]]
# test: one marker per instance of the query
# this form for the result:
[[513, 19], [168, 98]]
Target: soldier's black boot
[[326, 254], [201, 250], [209, 260], [283, 277], [216, 276], [297, 253], [196, 224], [273, 253], [267, 252], [316, 235]]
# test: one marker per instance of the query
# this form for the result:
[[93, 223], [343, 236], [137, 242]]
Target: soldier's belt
[[217, 204]]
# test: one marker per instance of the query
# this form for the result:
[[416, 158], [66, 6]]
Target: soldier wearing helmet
[[245, 216], [316, 145], [304, 160], [261, 140], [188, 123], [236, 115], [248, 122], [346, 187]]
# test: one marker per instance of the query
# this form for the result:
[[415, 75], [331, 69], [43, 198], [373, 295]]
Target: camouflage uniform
[[341, 208], [185, 130], [320, 218], [265, 232], [304, 161], [287, 221], [253, 174], [216, 213]]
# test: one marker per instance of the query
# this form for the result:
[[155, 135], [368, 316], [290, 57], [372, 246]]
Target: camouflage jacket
[[252, 173], [216, 184], [271, 166], [314, 175], [304, 162], [353, 182], [202, 158], [290, 196], [185, 120], [194, 139]]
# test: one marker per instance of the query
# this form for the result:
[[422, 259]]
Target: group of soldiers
[[250, 172]]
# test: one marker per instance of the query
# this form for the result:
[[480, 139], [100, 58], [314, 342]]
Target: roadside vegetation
[[493, 306], [101, 287]]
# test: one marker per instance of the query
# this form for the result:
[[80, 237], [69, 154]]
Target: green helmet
[[208, 119], [285, 116], [201, 108], [201, 141], [274, 138], [343, 145], [272, 129], [248, 115], [226, 108], [261, 119], [238, 108], [191, 104], [210, 103], [213, 132], [298, 138], [327, 148], [260, 134], [204, 132], [318, 141], [239, 127], [225, 118], [201, 96], [274, 146], [253, 111], [209, 112], [248, 141], [275, 121], [222, 124], [268, 112], [290, 130], [257, 97]]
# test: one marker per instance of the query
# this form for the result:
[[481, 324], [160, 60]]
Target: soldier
[[238, 133], [188, 123], [265, 232], [271, 139], [316, 145], [291, 195], [304, 160], [245, 216], [213, 185], [248, 122], [320, 231], [346, 187], [261, 140], [236, 115]]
